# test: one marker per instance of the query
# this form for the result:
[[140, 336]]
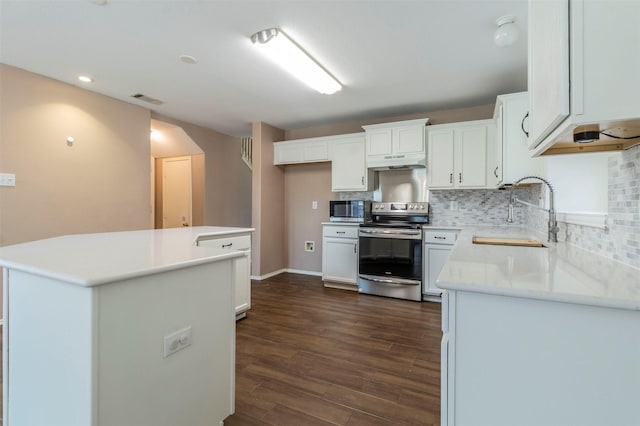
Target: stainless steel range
[[390, 250]]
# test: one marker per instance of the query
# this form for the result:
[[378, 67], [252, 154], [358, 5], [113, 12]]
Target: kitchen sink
[[508, 241]]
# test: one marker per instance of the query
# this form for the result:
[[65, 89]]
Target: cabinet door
[[315, 151], [379, 142], [435, 258], [497, 164], [471, 157], [548, 67], [243, 284], [287, 153], [440, 157], [408, 139], [340, 260], [348, 166]]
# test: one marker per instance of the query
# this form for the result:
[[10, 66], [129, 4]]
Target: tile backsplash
[[619, 241]]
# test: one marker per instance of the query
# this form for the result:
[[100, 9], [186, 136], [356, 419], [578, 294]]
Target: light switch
[[314, 205], [7, 179]]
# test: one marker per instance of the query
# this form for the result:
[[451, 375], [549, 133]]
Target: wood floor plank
[[310, 355]]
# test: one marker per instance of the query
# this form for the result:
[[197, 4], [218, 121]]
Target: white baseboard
[[281, 271], [300, 271]]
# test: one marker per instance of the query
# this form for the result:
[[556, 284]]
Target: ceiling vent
[[147, 99]]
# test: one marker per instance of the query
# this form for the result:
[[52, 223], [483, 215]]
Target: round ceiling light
[[507, 32], [188, 59]]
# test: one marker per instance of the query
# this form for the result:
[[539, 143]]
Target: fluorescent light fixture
[[85, 79], [285, 52]]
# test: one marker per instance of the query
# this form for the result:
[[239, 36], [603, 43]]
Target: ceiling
[[393, 57]]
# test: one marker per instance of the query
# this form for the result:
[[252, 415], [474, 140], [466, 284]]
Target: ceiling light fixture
[[278, 47], [188, 59], [507, 32], [85, 79]]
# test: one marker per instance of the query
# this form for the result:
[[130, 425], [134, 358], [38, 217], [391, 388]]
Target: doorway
[[176, 192]]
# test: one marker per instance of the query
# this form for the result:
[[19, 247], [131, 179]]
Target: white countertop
[[559, 272], [341, 223], [94, 259]]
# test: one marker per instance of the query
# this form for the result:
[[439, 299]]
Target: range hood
[[595, 137], [397, 162]]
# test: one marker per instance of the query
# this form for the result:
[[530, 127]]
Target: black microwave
[[349, 211]]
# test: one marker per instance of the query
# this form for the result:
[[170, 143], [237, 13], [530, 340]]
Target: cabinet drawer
[[340, 231], [440, 237], [242, 242]]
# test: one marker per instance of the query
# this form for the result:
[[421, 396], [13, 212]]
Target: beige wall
[[197, 190], [227, 184], [267, 207], [307, 182], [101, 183], [304, 184]]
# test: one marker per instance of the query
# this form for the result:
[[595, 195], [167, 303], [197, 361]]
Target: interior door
[[176, 192]]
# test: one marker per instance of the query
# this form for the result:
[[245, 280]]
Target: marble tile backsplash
[[621, 240]]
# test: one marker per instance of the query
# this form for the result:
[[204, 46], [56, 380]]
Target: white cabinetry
[[348, 164], [340, 256], [458, 154], [396, 144], [437, 247], [512, 159], [584, 64], [310, 150], [242, 267], [505, 357]]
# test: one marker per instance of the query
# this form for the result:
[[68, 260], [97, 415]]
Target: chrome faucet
[[552, 224]]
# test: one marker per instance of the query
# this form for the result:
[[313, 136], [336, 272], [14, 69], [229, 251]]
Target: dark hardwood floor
[[307, 355]]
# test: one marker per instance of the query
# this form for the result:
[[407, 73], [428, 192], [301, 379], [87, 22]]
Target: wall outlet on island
[[309, 246]]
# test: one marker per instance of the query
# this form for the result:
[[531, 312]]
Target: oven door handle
[[391, 234], [389, 281]]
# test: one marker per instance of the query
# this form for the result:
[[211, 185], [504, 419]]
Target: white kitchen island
[[125, 328], [538, 336]]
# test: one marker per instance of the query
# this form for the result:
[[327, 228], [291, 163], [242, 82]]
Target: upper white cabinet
[[584, 64], [399, 143], [348, 164], [301, 151], [512, 159], [458, 154]]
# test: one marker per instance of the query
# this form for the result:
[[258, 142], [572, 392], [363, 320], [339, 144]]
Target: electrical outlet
[[309, 246], [177, 341]]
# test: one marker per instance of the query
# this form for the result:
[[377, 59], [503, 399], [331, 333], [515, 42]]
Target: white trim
[[594, 220], [1, 322], [280, 271]]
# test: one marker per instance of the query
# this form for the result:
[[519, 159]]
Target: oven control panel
[[395, 208]]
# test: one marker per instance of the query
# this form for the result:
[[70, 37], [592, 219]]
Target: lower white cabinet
[[340, 256], [517, 361], [437, 247], [243, 267]]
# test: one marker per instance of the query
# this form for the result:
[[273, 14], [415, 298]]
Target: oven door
[[390, 262]]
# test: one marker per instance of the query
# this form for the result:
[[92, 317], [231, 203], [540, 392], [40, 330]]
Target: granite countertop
[[93, 259], [557, 272]]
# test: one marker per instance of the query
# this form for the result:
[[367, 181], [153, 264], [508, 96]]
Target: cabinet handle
[[355, 248], [460, 177], [495, 172], [340, 232], [450, 177], [522, 124], [437, 237], [227, 245], [362, 180]]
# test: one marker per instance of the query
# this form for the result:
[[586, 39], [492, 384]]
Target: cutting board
[[524, 242]]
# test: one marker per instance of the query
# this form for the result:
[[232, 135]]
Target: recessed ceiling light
[[85, 79], [188, 59]]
